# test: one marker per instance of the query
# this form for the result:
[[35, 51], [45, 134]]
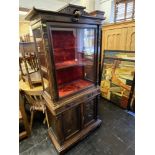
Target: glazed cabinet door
[[73, 51], [89, 112], [71, 121]]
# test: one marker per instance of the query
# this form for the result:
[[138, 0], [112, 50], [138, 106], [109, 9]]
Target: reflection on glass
[[28, 61], [41, 54], [74, 58]]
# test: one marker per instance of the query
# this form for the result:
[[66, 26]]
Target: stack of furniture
[[28, 63], [68, 47], [24, 127], [34, 98]]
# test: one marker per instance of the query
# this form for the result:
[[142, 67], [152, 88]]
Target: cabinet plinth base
[[73, 140]]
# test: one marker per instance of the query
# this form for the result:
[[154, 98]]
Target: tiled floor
[[114, 137]]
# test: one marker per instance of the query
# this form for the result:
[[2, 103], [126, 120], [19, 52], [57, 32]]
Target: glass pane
[[41, 54], [28, 63], [120, 11], [129, 9], [27, 51], [74, 58]]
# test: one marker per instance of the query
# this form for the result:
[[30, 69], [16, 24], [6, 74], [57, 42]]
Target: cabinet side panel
[[55, 123]]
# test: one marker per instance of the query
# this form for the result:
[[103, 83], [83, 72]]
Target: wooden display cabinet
[[68, 48]]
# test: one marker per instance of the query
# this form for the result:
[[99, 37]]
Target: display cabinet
[[68, 48], [117, 80]]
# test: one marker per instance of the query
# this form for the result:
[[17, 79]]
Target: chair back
[[37, 103], [34, 98]]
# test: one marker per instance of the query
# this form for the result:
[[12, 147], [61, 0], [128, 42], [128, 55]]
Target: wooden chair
[[37, 103], [23, 119]]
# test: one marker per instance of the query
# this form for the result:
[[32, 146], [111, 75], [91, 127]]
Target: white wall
[[89, 4], [54, 5], [106, 6]]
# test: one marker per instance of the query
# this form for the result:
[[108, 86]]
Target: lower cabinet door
[[71, 121], [55, 123], [89, 111]]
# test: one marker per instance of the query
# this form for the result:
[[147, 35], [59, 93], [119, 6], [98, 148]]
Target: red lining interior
[[69, 74], [73, 87], [64, 45]]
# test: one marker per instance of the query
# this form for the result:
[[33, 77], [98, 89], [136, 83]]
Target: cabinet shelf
[[67, 48], [73, 87], [72, 63]]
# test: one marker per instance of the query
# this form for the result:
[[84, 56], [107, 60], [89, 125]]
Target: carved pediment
[[71, 9]]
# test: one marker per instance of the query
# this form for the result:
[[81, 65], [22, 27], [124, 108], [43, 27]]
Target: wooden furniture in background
[[23, 119], [24, 86], [25, 38], [28, 63], [118, 36], [37, 103], [68, 47]]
